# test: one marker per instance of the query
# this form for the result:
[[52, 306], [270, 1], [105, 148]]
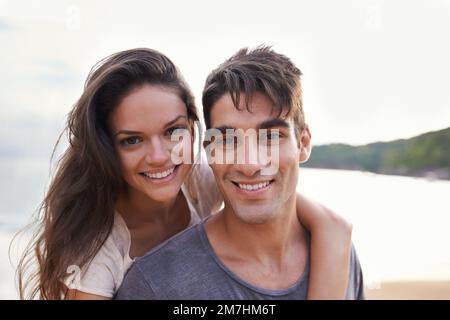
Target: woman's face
[[141, 127]]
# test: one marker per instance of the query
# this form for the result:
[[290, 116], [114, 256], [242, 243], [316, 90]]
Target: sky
[[373, 70]]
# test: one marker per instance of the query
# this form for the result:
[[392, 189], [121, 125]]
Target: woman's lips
[[161, 177]]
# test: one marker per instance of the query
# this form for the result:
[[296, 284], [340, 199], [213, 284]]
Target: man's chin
[[254, 214]]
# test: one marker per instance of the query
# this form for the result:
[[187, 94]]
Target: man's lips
[[254, 185]]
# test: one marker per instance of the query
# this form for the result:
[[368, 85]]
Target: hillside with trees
[[426, 155]]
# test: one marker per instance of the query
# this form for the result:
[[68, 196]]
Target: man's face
[[256, 197]]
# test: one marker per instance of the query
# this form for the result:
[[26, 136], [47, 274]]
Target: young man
[[255, 248]]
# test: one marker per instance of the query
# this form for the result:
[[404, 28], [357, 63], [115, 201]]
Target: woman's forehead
[[148, 106]]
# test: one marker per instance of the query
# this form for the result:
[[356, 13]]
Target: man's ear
[[305, 144]]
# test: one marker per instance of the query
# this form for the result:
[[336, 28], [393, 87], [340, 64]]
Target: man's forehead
[[259, 111]]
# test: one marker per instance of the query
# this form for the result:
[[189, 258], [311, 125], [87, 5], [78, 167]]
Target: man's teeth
[[253, 187], [160, 175]]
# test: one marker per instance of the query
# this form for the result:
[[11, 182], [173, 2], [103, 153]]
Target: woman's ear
[[305, 144]]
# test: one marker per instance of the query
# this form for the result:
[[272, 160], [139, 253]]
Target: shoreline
[[429, 175]]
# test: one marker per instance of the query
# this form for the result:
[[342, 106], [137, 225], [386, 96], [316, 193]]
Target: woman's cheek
[[128, 162]]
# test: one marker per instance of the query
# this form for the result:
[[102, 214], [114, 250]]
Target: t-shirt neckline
[[304, 277]]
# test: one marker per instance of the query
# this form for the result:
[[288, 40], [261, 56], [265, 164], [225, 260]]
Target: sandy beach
[[414, 290]]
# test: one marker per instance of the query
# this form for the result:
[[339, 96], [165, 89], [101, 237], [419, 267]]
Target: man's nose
[[157, 153], [249, 159]]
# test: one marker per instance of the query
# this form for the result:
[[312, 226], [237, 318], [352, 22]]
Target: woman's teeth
[[252, 187], [159, 175]]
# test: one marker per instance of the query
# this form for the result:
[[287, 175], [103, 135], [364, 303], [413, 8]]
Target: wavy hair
[[76, 215]]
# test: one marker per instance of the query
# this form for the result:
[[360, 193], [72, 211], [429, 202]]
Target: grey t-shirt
[[186, 267]]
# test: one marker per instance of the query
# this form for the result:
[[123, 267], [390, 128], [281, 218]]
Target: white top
[[104, 275]]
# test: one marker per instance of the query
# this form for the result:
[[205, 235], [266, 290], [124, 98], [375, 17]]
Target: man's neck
[[260, 253]]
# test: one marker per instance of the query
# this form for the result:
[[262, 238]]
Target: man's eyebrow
[[168, 124], [223, 129], [277, 122]]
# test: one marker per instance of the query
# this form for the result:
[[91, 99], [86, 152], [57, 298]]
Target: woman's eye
[[176, 130], [131, 141]]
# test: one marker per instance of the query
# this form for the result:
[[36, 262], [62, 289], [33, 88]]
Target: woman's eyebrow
[[129, 132], [168, 124]]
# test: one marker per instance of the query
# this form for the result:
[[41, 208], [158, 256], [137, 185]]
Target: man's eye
[[225, 141], [270, 137], [131, 141], [229, 140], [232, 141], [273, 136]]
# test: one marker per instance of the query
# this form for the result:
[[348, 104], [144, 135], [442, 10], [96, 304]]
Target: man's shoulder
[[175, 267]]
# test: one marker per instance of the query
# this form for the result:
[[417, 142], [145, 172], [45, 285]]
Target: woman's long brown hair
[[77, 213]]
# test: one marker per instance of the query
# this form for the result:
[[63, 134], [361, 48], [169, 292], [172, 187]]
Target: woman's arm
[[79, 295], [330, 250]]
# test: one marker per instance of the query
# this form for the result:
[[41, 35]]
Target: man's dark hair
[[259, 70]]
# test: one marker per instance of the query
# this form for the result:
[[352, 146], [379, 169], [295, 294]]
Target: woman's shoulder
[[105, 272]]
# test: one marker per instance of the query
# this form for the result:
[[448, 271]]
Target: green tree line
[[418, 156]]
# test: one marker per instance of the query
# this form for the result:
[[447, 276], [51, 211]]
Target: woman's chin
[[164, 196]]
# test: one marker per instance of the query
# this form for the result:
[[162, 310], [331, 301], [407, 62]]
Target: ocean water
[[400, 224]]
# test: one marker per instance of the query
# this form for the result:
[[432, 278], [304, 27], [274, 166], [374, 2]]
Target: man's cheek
[[289, 156]]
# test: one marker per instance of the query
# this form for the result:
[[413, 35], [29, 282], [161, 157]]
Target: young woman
[[117, 194]]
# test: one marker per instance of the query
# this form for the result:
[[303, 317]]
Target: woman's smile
[[162, 176]]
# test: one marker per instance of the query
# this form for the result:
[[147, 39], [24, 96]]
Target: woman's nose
[[157, 152]]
